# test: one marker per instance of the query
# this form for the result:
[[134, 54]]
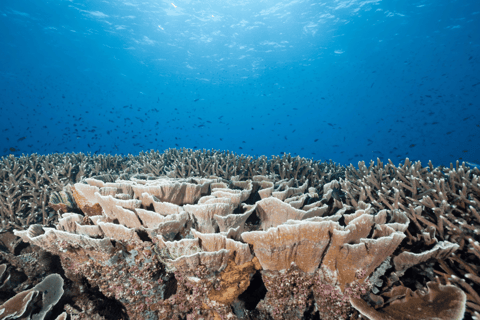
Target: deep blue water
[[344, 80]]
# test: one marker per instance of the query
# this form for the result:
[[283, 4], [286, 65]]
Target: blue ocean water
[[346, 80]]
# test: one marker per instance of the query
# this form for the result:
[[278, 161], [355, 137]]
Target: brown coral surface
[[204, 234]]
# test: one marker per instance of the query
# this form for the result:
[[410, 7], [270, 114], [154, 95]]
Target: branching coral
[[443, 205]]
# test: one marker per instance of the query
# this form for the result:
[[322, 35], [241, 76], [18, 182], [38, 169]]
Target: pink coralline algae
[[263, 248]]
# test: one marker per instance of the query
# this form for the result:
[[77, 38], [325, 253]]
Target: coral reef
[[28, 184], [253, 241]]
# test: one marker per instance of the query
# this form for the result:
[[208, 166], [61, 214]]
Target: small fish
[[196, 100], [13, 149], [338, 194], [471, 164], [22, 138]]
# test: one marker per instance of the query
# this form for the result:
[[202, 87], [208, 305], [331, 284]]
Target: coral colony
[[213, 235]]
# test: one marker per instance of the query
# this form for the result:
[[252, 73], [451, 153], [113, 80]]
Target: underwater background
[[341, 80]]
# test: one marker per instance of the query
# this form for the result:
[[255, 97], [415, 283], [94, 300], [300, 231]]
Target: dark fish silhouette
[[338, 194]]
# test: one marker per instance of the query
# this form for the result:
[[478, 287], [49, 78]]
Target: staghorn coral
[[29, 183], [443, 205]]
